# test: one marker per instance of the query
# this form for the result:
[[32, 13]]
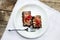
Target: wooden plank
[[1, 31], [2, 26], [3, 22], [7, 4], [55, 5], [4, 15], [5, 10], [51, 0]]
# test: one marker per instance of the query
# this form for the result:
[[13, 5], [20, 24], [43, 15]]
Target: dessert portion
[[36, 23], [26, 17], [31, 21]]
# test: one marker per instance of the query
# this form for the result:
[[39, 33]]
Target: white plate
[[36, 10]]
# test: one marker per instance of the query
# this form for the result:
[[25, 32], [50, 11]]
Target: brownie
[[36, 22], [26, 18]]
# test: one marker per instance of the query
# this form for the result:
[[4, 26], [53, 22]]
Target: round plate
[[35, 10]]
